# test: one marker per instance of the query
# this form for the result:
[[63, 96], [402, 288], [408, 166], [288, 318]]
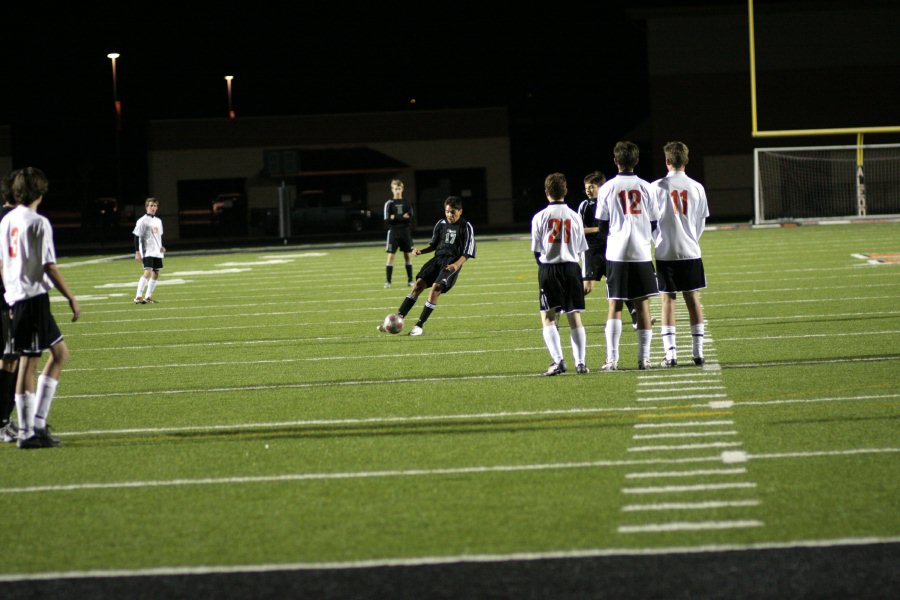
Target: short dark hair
[[596, 177], [627, 155], [29, 184], [677, 154], [6, 195], [454, 202], [556, 186]]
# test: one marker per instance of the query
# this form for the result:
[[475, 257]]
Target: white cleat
[[610, 366], [416, 331]]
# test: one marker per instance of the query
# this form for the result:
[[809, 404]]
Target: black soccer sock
[[632, 311], [409, 272], [7, 395], [388, 272], [407, 305], [426, 312]]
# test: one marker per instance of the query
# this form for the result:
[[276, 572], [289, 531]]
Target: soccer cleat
[[416, 331], [46, 440], [669, 362], [29, 443], [643, 365], [610, 365], [409, 283], [387, 285], [381, 328], [149, 300], [139, 300], [698, 360], [555, 369], [9, 433], [581, 369]]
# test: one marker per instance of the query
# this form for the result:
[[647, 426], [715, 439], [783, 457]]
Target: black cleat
[[581, 369], [44, 438], [669, 362], [698, 360], [643, 365], [555, 369]]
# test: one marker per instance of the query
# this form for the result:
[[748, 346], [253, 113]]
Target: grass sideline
[[255, 416]]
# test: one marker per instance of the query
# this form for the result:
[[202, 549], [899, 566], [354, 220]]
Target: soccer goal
[[821, 182]]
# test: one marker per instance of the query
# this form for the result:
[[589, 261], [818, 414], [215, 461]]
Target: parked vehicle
[[315, 211]]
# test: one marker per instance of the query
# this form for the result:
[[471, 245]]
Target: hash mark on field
[[707, 505], [683, 434], [680, 489], [694, 473], [684, 447], [689, 526], [684, 424], [687, 397]]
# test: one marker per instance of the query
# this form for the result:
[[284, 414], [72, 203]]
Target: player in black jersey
[[398, 215], [453, 243]]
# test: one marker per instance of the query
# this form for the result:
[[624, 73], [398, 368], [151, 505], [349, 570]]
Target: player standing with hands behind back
[[148, 249], [557, 240], [29, 273], [628, 211], [398, 216], [679, 268]]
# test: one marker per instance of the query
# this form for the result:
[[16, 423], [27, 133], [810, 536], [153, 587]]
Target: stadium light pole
[[112, 56], [228, 79]]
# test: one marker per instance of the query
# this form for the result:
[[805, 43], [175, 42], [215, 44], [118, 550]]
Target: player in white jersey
[[557, 240], [28, 261], [628, 212], [679, 267], [148, 249]]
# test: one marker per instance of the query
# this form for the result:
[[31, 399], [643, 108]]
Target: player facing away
[[453, 243], [10, 360], [28, 260], [398, 216], [629, 213], [148, 249], [594, 264], [683, 211], [557, 240]]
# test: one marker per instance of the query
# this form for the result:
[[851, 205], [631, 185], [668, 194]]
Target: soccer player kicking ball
[[557, 240], [453, 243]]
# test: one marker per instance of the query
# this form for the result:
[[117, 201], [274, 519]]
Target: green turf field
[[256, 417]]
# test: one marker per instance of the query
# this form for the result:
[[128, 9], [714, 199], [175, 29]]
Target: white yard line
[[689, 526]]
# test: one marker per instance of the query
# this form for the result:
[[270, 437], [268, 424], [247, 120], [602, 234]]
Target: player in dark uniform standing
[[8, 368], [593, 266], [398, 215], [453, 243]]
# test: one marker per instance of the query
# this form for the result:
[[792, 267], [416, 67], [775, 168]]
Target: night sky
[[559, 72]]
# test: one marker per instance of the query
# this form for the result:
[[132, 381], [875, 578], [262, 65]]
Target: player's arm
[[137, 248], [52, 271], [458, 263], [425, 250]]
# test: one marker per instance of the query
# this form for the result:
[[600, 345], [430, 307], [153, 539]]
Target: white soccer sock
[[140, 289], [645, 336], [554, 345], [668, 340], [25, 405], [151, 286], [46, 391], [613, 333], [578, 337], [697, 334]]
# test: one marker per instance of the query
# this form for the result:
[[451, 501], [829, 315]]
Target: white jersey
[[150, 231], [558, 234], [27, 245], [626, 202], [682, 216]]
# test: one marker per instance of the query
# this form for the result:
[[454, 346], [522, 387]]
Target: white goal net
[[821, 182]]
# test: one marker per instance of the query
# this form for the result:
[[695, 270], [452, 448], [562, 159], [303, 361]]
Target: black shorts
[[435, 271], [561, 287], [34, 328], [399, 238], [630, 280], [9, 346], [595, 264], [153, 262], [680, 275]]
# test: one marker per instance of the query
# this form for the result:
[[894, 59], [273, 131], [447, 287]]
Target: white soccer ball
[[393, 323]]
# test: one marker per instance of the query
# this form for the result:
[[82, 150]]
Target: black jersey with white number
[[397, 208], [452, 240]]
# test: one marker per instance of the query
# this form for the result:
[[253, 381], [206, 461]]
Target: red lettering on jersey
[[682, 207], [14, 242], [557, 227], [630, 201]]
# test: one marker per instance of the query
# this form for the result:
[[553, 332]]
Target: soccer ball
[[393, 323]]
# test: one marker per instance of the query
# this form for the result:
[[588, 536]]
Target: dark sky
[[553, 68]]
